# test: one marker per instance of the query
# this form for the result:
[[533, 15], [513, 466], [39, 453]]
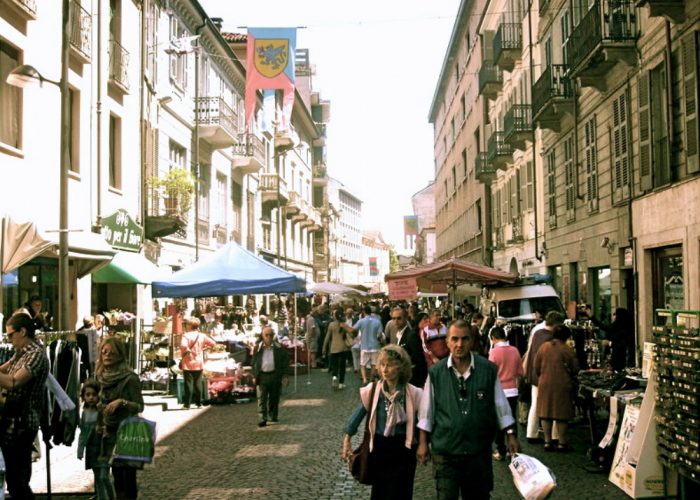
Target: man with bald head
[[270, 362]]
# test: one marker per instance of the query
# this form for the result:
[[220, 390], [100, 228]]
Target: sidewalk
[[219, 453]]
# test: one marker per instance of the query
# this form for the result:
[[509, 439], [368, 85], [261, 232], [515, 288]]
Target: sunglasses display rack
[[677, 360]]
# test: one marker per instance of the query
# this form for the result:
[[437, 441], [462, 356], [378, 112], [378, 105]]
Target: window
[[237, 205], [177, 155], [689, 49], [620, 152], [74, 127], [654, 150], [565, 31], [591, 154], [178, 61], [115, 152], [10, 99], [570, 178], [454, 179], [220, 209], [152, 41], [526, 181], [464, 163], [204, 180], [552, 189]]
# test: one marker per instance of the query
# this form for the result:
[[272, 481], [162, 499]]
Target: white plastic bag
[[534, 480]]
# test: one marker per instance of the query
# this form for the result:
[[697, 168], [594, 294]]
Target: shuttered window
[[644, 132], [552, 189], [689, 48], [620, 150], [570, 178], [591, 158]]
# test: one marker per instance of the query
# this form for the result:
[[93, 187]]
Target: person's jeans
[[125, 482], [501, 435], [193, 388], [468, 475], [268, 392], [337, 363], [18, 464], [104, 489]]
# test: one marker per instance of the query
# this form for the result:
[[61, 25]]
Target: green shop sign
[[122, 232]]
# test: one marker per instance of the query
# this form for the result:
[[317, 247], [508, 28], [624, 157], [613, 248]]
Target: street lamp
[[27, 76]]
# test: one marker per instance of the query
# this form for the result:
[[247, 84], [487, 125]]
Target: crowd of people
[[433, 387]]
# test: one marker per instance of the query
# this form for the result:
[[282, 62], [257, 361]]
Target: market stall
[[232, 270]]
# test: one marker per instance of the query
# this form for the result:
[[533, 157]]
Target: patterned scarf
[[395, 413]]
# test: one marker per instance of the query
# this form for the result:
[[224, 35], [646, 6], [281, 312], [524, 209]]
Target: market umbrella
[[334, 289], [452, 273]]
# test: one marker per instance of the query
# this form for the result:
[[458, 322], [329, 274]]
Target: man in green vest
[[463, 406]]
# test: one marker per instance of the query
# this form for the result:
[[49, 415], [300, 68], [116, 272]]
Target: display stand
[[677, 360]]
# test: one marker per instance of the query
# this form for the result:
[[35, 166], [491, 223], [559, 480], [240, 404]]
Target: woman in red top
[[192, 349]]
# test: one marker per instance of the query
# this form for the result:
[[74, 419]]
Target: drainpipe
[[98, 113], [533, 138], [142, 112], [196, 145]]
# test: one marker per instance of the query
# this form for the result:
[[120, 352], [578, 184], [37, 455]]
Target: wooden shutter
[[690, 101], [621, 169], [644, 133]]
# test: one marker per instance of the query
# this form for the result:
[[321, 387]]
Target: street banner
[[373, 267], [410, 225], [406, 289], [270, 65]]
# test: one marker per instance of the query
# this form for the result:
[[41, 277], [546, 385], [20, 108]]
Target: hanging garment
[[64, 357]]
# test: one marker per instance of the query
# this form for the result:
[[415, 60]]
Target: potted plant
[[177, 186]]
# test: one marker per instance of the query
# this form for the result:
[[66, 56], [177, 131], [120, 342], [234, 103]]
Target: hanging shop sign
[[122, 232]]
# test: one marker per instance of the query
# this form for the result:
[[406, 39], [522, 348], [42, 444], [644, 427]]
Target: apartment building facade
[[589, 138], [345, 238], [155, 88], [423, 203]]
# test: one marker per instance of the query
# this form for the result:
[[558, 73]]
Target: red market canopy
[[453, 272]]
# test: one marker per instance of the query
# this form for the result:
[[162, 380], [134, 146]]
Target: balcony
[[490, 79], [319, 174], [249, 154], [25, 9], [516, 231], [293, 210], [273, 190], [552, 97], [498, 152], [508, 45], [217, 122], [313, 223], [118, 66], [672, 9], [483, 170], [163, 218], [321, 139], [80, 32], [605, 37], [285, 139], [517, 126]]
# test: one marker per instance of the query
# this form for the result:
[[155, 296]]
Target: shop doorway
[[601, 291]]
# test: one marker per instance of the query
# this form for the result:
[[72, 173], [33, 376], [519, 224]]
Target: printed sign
[[406, 289], [122, 232]]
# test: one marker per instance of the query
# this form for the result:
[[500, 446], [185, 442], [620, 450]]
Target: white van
[[518, 303]]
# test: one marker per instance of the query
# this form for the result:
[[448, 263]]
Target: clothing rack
[[46, 338]]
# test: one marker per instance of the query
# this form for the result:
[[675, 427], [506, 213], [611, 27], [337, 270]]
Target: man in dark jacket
[[404, 336], [462, 407], [270, 362]]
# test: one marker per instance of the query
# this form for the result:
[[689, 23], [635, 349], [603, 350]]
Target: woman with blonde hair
[[119, 397], [391, 405]]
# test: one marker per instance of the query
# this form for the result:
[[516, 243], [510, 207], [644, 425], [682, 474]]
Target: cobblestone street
[[219, 453]]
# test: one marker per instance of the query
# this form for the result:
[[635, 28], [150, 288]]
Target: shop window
[[601, 292], [667, 280]]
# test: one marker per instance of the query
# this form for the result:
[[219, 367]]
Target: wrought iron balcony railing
[[214, 111], [81, 30], [518, 119], [499, 152], [553, 83], [607, 23], [118, 65], [483, 170], [490, 79], [507, 45]]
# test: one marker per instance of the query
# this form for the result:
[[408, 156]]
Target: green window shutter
[[644, 133], [690, 98], [620, 155]]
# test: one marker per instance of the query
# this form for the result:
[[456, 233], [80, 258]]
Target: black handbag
[[359, 461]]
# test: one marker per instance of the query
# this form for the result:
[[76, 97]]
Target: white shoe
[[341, 386], [334, 383]]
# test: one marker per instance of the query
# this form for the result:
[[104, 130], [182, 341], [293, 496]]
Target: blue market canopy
[[231, 270]]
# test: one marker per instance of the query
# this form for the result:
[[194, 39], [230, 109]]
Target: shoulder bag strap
[[369, 411]]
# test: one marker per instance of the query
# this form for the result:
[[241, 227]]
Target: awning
[[89, 250], [128, 268], [20, 243]]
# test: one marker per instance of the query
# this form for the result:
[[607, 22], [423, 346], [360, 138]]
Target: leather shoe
[[262, 423]]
